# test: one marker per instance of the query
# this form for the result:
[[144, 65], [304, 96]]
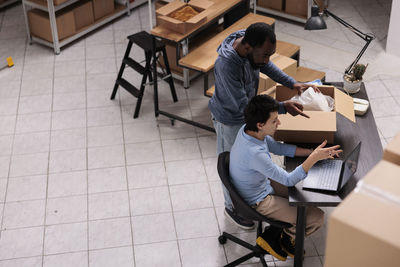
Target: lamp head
[[315, 22]]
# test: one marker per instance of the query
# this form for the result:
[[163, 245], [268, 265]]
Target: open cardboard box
[[364, 229], [392, 150], [321, 125], [180, 26]]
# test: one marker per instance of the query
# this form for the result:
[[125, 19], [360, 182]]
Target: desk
[[347, 135], [216, 11]]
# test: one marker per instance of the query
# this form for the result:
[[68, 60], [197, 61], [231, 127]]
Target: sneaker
[[269, 241], [287, 244], [238, 220]]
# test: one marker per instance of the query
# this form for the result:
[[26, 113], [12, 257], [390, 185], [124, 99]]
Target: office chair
[[244, 210]]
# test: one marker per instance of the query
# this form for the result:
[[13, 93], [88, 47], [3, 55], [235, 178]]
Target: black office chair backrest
[[241, 207]]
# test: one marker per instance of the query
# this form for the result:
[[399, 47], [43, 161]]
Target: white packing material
[[312, 100]]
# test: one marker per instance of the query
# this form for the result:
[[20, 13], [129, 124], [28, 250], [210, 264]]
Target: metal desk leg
[[205, 83], [300, 229], [185, 51]]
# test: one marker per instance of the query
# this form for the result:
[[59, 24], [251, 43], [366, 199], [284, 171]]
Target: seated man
[[251, 166]]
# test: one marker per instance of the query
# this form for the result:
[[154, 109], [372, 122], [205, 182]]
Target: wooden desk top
[[348, 134], [203, 57], [216, 10]]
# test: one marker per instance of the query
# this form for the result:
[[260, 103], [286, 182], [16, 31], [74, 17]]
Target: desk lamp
[[316, 22]]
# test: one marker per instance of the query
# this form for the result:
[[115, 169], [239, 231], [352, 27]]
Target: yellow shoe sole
[[264, 245]]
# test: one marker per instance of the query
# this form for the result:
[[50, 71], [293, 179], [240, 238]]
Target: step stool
[[144, 41]]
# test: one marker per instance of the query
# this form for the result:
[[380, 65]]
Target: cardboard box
[[102, 8], [392, 150], [274, 4], [56, 2], [83, 14], [288, 65], [364, 229], [39, 24], [297, 7], [320, 126], [180, 26]]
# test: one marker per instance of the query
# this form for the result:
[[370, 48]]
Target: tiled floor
[[83, 184]]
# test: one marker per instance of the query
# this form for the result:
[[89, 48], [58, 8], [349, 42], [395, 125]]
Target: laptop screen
[[350, 165]]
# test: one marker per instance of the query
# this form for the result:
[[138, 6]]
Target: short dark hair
[[257, 33], [258, 111]]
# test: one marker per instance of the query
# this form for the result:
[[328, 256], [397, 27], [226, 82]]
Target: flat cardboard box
[[39, 24], [364, 229], [273, 4], [288, 65], [321, 125], [102, 8], [392, 150], [297, 7], [83, 15], [180, 26]]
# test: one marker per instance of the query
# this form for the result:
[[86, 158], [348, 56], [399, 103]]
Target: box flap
[[172, 20], [198, 17], [344, 105], [318, 121], [169, 8], [204, 4]]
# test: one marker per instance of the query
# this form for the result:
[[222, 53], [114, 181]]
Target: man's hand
[[294, 108], [301, 87]]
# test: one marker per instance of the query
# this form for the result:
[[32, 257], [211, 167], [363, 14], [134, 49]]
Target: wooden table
[[216, 11], [348, 135]]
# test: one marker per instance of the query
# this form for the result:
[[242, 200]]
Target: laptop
[[332, 175]]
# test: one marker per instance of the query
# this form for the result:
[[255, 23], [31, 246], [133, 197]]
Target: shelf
[[283, 14], [7, 3], [119, 11]]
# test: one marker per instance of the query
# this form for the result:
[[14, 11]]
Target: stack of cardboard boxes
[[69, 20], [364, 229]]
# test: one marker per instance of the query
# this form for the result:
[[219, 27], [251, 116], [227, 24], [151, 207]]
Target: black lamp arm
[[365, 36]]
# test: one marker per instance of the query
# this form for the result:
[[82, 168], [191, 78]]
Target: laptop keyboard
[[325, 175]]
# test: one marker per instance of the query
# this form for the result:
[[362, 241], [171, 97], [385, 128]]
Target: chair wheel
[[222, 239]]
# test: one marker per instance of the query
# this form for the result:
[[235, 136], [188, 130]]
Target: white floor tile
[[23, 214], [105, 136], [3, 187], [153, 228], [191, 196], [185, 172], [26, 242], [150, 200], [72, 52], [121, 257], [67, 184], [217, 193], [6, 145], [8, 106], [26, 262], [105, 157], [68, 119], [67, 161], [27, 188], [99, 66], [33, 122], [76, 259], [109, 233], [66, 210], [208, 145], [202, 252], [68, 139], [141, 132], [138, 153], [108, 205], [4, 166], [10, 89], [210, 165], [32, 71], [29, 164], [36, 87], [181, 149], [104, 116], [7, 124], [205, 225], [146, 175], [65, 238], [100, 82], [105, 180], [34, 104], [384, 107], [177, 131], [30, 143], [69, 68], [167, 254], [69, 84], [69, 101], [101, 98]]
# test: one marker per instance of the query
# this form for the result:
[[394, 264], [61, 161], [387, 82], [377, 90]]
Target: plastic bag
[[312, 100]]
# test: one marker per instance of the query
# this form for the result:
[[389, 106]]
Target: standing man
[[242, 55]]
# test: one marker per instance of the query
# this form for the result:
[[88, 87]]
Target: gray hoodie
[[236, 82]]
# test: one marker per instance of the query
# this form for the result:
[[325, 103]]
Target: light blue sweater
[[236, 82]]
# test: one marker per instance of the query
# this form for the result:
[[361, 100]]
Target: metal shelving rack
[[284, 14], [8, 2], [51, 9]]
